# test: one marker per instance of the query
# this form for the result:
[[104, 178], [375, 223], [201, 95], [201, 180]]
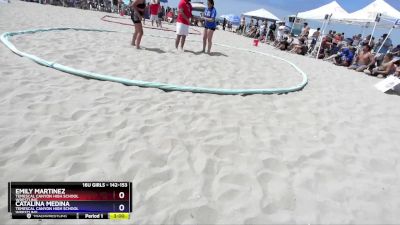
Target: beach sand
[[327, 154]]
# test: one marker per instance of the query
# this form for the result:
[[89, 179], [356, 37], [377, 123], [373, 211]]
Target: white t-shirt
[[281, 31]]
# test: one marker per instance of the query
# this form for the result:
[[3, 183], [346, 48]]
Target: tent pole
[[322, 35], [390, 32], [291, 29], [373, 30], [372, 34]]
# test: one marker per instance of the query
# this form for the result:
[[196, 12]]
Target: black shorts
[[135, 18], [208, 28]]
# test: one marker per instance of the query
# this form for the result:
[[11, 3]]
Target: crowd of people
[[363, 54]]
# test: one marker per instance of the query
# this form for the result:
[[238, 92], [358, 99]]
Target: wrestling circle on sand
[[163, 86]]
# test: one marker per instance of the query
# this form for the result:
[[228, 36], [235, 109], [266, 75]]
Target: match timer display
[[70, 200]]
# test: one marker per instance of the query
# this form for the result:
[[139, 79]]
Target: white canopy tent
[[261, 14], [338, 13], [369, 12]]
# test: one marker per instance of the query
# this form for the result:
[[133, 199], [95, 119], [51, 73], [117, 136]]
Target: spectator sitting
[[323, 51], [263, 33], [385, 45], [386, 68], [301, 48], [382, 47], [284, 44], [345, 57], [252, 32], [396, 51], [397, 64], [230, 26], [364, 60], [356, 40], [258, 34]]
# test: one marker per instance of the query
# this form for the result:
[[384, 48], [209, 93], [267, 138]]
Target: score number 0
[[121, 207]]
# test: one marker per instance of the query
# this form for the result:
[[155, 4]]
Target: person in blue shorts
[[210, 13]]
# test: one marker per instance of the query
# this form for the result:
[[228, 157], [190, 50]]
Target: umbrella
[[232, 18]]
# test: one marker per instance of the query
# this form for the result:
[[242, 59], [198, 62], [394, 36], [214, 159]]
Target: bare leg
[[210, 36], [135, 33], [178, 39], [139, 36], [205, 40], [183, 41]]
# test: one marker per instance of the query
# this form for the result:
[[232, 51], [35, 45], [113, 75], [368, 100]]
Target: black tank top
[[141, 6]]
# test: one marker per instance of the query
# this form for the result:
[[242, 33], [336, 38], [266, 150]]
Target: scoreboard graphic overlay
[[70, 200]]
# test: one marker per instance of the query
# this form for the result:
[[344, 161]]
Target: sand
[[327, 154]]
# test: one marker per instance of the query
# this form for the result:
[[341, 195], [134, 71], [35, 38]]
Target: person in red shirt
[[154, 8], [183, 22]]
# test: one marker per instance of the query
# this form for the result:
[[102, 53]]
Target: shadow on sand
[[392, 92], [157, 50], [211, 54], [218, 54]]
